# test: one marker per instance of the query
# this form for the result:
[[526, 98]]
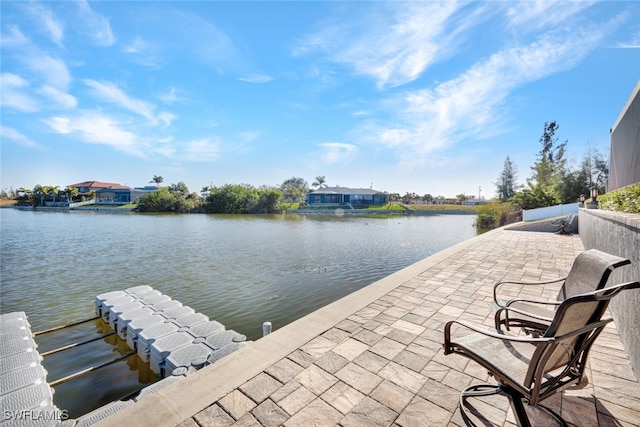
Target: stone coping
[[627, 219]]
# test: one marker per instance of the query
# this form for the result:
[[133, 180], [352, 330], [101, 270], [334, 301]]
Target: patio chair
[[565, 224], [590, 271], [530, 368]]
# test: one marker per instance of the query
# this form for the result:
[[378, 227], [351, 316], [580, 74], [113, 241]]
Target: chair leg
[[518, 407], [521, 415], [515, 398], [477, 390]]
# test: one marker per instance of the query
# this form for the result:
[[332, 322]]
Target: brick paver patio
[[383, 365]]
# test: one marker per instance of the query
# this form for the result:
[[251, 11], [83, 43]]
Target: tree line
[[552, 181], [37, 195], [228, 198]]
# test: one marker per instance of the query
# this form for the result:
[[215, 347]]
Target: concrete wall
[[619, 234]]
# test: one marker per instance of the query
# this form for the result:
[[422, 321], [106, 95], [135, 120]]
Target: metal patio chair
[[590, 271], [565, 224], [530, 368]]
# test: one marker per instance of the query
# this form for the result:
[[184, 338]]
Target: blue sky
[[424, 97]]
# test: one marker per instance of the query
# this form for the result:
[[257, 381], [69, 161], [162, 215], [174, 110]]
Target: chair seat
[[511, 359]]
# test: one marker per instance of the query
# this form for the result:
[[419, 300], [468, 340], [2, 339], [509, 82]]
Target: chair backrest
[[590, 272], [575, 326]]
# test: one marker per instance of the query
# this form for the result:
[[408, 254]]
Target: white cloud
[[337, 152], [533, 15], [470, 106], [7, 133], [61, 99], [394, 44], [257, 78], [202, 150], [97, 128], [142, 52], [138, 45], [15, 38], [52, 71], [45, 71], [51, 24], [12, 93], [633, 42], [166, 118], [109, 92], [170, 97], [96, 25]]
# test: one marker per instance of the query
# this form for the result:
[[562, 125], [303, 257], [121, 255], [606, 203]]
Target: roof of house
[[346, 190], [98, 185]]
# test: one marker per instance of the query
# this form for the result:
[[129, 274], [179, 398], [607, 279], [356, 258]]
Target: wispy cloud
[[59, 98], [8, 133], [471, 105], [337, 152], [534, 15], [202, 150], [138, 45], [97, 128], [408, 38], [15, 38], [12, 93], [52, 71], [48, 76], [256, 78], [142, 52], [109, 92], [171, 96], [95, 24], [50, 23], [633, 42], [205, 41]]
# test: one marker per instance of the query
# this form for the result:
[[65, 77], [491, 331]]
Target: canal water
[[240, 270]]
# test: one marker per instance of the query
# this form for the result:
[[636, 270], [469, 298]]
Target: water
[[240, 270]]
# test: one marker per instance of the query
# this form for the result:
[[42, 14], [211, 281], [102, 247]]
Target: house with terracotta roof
[[109, 192]]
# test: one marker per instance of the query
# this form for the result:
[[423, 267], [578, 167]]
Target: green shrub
[[625, 199], [493, 215]]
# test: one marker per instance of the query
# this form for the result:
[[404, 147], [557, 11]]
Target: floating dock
[[174, 339], [25, 395]]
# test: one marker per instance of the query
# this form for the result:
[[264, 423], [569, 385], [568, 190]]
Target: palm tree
[[320, 182], [53, 192], [157, 179], [70, 192], [40, 191]]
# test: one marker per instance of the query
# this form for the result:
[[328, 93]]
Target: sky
[[424, 97]]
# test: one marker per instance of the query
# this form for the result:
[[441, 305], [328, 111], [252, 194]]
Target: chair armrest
[[504, 282], [529, 301], [488, 333], [507, 310]]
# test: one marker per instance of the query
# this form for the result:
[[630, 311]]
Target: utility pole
[[479, 191]]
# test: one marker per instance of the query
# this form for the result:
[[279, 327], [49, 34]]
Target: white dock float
[[158, 327], [25, 397], [172, 337]]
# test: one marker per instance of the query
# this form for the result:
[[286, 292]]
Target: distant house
[[332, 196], [108, 192], [474, 202]]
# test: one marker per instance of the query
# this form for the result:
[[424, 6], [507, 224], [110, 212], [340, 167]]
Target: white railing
[[86, 202], [549, 211]]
